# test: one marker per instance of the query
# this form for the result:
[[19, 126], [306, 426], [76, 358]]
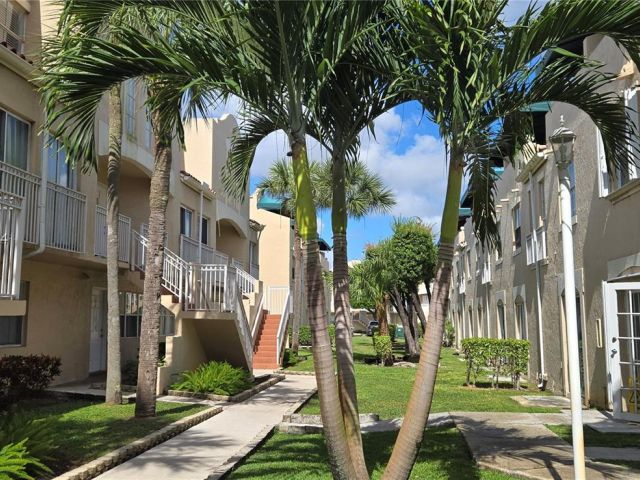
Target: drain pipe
[[200, 226], [542, 385], [42, 201]]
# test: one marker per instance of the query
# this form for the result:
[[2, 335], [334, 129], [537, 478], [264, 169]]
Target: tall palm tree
[[476, 76]]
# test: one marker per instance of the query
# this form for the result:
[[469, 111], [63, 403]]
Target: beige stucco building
[[520, 293], [53, 231]]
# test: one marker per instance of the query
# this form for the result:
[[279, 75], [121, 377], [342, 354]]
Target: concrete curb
[[238, 397], [288, 372], [112, 459], [257, 441]]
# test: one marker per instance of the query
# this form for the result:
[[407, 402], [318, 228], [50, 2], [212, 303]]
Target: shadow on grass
[[443, 455]]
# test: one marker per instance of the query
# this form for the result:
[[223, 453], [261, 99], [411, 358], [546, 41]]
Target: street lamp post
[[562, 142]]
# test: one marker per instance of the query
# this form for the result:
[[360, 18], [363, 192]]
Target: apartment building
[[519, 293], [53, 231]]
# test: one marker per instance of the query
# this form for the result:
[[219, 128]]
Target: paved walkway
[[208, 449], [520, 444]]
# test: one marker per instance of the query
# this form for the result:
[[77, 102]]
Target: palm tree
[[79, 66], [476, 76]]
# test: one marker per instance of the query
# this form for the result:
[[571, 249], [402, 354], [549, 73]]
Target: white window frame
[[56, 148], [516, 226], [520, 314], [189, 225], [7, 34], [23, 295], [4, 137], [129, 109]]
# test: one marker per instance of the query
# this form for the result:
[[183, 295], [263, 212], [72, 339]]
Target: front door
[[623, 347], [98, 342]]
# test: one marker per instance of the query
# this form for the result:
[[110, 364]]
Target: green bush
[[16, 462], [332, 333], [22, 375], [449, 334], [129, 373], [500, 356], [392, 331], [36, 436], [290, 358], [219, 378], [304, 336], [382, 346]]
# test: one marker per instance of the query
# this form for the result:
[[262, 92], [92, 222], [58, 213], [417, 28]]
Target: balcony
[[124, 235], [65, 216], [189, 252], [541, 242], [10, 245], [254, 270]]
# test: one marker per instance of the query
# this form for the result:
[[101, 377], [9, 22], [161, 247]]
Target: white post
[[534, 241], [572, 322]]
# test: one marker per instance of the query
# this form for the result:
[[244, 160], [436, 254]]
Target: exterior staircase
[[266, 348]]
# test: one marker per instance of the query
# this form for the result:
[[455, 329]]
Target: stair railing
[[243, 327], [281, 336], [258, 319]]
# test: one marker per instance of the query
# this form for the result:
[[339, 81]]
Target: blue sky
[[407, 152]]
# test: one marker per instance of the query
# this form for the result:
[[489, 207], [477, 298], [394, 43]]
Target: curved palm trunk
[[343, 320], [418, 308], [150, 326], [113, 385], [333, 424], [409, 439], [411, 347], [297, 290]]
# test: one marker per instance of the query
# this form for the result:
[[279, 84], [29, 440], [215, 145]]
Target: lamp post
[[562, 142]]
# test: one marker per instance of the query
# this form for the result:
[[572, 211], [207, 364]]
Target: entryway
[[623, 347], [98, 341]]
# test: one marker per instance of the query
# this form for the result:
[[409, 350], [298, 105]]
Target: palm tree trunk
[[381, 317], [297, 290], [343, 320], [150, 326], [333, 424], [418, 308], [409, 439], [113, 385]]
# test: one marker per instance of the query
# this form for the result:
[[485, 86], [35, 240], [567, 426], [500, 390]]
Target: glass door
[[623, 347]]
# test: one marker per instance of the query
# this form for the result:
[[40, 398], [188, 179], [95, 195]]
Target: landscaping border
[[114, 458], [238, 397]]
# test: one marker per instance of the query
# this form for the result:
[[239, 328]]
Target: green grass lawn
[[443, 455], [85, 430], [593, 438], [385, 390]]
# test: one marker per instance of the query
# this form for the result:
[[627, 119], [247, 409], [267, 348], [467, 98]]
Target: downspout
[[200, 227], [542, 385], [42, 201]]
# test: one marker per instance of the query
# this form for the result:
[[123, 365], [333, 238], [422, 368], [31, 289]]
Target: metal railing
[[26, 185], [11, 237], [65, 218], [189, 251], [258, 318], [237, 263], [254, 270], [124, 235], [281, 336], [243, 327], [276, 299], [245, 281], [541, 242], [205, 288]]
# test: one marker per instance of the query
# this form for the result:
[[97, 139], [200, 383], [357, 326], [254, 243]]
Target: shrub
[[37, 435], [219, 378], [449, 334], [129, 373], [507, 356], [332, 333], [304, 337], [383, 348], [290, 358], [16, 462], [392, 331], [24, 374]]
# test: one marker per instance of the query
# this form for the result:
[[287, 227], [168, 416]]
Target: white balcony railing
[[65, 218], [541, 244], [11, 237], [189, 251], [26, 185], [254, 270], [124, 235], [237, 263]]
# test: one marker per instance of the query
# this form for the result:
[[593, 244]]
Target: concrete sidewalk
[[520, 444], [207, 450]]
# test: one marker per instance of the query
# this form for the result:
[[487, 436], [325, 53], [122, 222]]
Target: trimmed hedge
[[501, 356], [304, 336], [384, 350]]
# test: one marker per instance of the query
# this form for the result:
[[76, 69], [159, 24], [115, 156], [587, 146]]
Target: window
[[130, 107], [58, 170], [540, 203], [571, 170], [186, 217], [14, 139], [521, 319], [12, 25], [478, 257], [501, 322], [480, 324], [517, 228], [467, 270], [131, 316], [499, 247], [12, 326], [204, 230]]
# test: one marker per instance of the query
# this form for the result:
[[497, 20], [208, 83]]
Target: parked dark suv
[[373, 326]]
